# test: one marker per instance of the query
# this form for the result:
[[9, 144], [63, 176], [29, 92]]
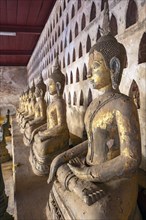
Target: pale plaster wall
[[43, 57], [13, 81]]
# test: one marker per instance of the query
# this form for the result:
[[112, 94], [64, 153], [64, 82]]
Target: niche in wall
[[134, 93], [142, 50]]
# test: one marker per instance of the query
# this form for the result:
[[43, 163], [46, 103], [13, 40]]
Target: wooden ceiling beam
[[16, 52], [21, 29]]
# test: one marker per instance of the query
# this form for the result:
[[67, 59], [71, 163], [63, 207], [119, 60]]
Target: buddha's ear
[[58, 87], [115, 68]]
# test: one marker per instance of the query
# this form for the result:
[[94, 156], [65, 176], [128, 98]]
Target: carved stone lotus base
[[64, 204], [38, 168], [41, 166]]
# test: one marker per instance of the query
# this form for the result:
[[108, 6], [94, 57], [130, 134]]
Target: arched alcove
[[84, 72], [62, 26], [55, 36], [89, 97], [68, 59], [98, 34], [65, 43], [75, 99], [77, 75], [70, 36], [102, 4], [134, 94], [93, 12], [80, 50], [81, 98], [79, 4], [83, 23], [74, 55], [51, 27], [57, 49], [142, 50], [73, 11], [58, 31], [88, 44], [60, 12], [61, 46], [131, 14], [67, 19], [113, 25], [63, 62], [64, 5], [71, 77], [57, 18], [76, 30], [66, 79], [69, 98]]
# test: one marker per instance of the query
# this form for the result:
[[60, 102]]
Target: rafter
[[21, 29], [16, 52]]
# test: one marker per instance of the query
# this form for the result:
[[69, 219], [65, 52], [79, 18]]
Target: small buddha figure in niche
[[33, 126], [97, 179], [26, 103], [31, 108], [55, 139]]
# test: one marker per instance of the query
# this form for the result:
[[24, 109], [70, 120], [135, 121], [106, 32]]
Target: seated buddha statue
[[55, 138], [33, 126], [25, 103], [21, 107], [31, 108], [97, 179]]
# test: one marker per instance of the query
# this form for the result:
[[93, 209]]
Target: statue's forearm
[[66, 156], [121, 166]]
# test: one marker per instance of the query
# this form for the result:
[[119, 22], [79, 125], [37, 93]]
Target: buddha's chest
[[52, 118]]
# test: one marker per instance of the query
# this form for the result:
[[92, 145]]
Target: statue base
[[64, 204], [41, 166]]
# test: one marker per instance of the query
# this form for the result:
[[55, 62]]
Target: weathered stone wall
[[13, 81], [71, 30]]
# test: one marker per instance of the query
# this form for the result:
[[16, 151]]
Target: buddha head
[[40, 89], [32, 90], [107, 58], [56, 80]]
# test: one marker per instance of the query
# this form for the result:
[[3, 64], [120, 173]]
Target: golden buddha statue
[[21, 107], [24, 112], [55, 139], [31, 108], [97, 179], [33, 126]]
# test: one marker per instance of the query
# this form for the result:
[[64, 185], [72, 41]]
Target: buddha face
[[99, 73], [52, 87]]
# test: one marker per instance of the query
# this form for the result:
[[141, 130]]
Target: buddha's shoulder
[[123, 102]]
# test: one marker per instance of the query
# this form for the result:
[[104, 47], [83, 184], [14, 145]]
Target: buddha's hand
[[79, 169]]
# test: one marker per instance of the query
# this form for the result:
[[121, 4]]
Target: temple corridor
[[72, 109]]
